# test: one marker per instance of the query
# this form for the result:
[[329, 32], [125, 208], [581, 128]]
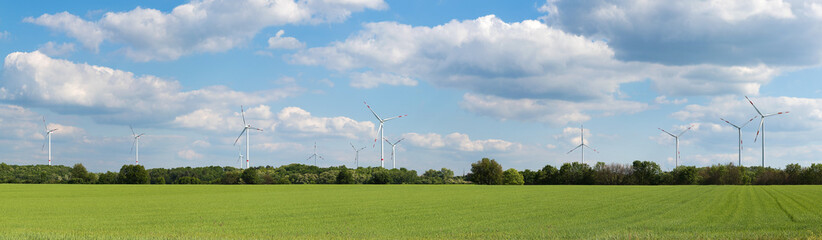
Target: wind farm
[[479, 106]]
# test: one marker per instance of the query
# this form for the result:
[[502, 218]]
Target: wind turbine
[[48, 135], [136, 144], [676, 138], [739, 131], [246, 127], [356, 157], [315, 156], [393, 150], [582, 144], [762, 126], [381, 131], [240, 158]]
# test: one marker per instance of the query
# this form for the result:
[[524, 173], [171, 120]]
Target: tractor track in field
[[793, 219]]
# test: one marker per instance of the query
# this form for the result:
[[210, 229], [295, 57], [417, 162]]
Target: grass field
[[407, 211]]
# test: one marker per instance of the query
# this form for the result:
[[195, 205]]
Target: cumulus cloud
[[805, 113], [19, 123], [571, 135], [525, 62], [111, 95], [54, 49], [198, 26], [372, 80], [291, 122], [460, 142], [555, 112], [723, 32], [280, 42], [664, 100], [189, 154]]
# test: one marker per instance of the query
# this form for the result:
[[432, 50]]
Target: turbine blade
[[321, 157], [372, 111], [578, 146], [589, 147], [132, 145], [352, 146], [141, 134], [309, 157], [667, 132], [386, 120], [757, 109], [749, 121], [399, 141], [389, 142], [242, 112], [241, 135], [45, 126], [778, 113], [761, 121], [377, 137], [132, 131], [730, 123], [683, 132]]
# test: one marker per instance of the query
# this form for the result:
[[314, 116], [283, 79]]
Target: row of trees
[[486, 171], [287, 174]]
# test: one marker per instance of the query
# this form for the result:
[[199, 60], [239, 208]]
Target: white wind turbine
[[582, 144], [246, 130], [240, 158], [136, 144], [315, 156], [739, 131], [381, 131], [48, 136], [762, 127], [393, 151], [357, 156], [676, 138]]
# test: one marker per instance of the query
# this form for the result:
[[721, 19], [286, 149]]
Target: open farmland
[[407, 211]]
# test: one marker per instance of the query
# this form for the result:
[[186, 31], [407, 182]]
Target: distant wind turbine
[[357, 156], [315, 156], [136, 144], [582, 144], [739, 131], [48, 136], [676, 138], [240, 158], [393, 151], [762, 126], [246, 127], [381, 131]]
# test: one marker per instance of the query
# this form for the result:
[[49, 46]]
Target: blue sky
[[511, 81]]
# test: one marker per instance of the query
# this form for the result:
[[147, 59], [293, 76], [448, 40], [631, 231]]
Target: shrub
[[133, 174], [250, 176], [512, 177], [345, 177], [486, 171]]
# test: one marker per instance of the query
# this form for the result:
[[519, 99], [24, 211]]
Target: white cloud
[[198, 26], [372, 80], [280, 42], [520, 60], [274, 147], [189, 154], [571, 136], [805, 113], [460, 142], [664, 100], [722, 32], [53, 49], [300, 123], [113, 95], [4, 34], [555, 112]]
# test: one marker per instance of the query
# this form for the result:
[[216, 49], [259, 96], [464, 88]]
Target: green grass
[[408, 211]]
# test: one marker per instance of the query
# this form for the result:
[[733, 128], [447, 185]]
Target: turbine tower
[[762, 127], [247, 130], [136, 144], [582, 144], [381, 131], [357, 156], [739, 131], [315, 156], [48, 136], [676, 138], [393, 150], [240, 158]]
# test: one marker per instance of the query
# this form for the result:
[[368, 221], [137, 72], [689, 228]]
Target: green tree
[[486, 171], [79, 174], [231, 177], [646, 173], [380, 176], [345, 177], [133, 174], [250, 176], [685, 175], [108, 177], [548, 175], [576, 173], [512, 177]]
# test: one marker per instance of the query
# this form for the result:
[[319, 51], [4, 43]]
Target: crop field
[[407, 211]]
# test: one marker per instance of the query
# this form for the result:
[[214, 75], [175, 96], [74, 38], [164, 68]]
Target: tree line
[[486, 171]]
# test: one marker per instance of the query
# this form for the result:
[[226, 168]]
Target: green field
[[407, 211]]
